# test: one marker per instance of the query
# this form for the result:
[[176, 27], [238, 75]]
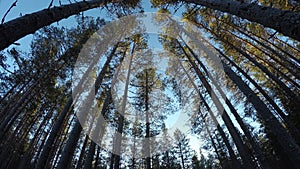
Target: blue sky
[[28, 6]]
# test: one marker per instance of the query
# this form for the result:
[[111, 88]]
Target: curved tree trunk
[[15, 29], [285, 22]]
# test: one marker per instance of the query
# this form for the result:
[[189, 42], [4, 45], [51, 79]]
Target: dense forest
[[216, 85]]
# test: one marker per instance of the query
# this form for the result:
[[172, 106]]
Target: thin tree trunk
[[286, 142], [286, 89], [58, 124], [181, 156], [236, 163], [15, 112], [147, 137], [53, 134], [82, 153], [98, 132], [118, 135], [243, 150], [287, 65], [97, 158], [245, 129], [294, 131], [75, 133], [251, 36]]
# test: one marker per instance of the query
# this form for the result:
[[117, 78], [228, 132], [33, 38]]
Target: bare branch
[[12, 5]]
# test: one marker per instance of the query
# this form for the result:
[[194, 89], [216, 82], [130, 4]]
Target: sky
[[28, 6]]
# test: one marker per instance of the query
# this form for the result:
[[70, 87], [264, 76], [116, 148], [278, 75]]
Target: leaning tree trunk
[[233, 157], [69, 149], [243, 150], [292, 128], [283, 138], [243, 126], [13, 30], [282, 85], [285, 22], [98, 132], [42, 161]]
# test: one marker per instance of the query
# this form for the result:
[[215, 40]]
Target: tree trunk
[[181, 156], [266, 43], [13, 30], [75, 133], [285, 22], [283, 138], [118, 135], [98, 132], [243, 150], [292, 128], [82, 153], [42, 161], [147, 137], [286, 89], [286, 64], [236, 163], [245, 129]]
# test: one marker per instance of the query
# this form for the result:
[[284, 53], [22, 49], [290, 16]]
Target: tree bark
[[286, 142], [75, 133], [285, 88], [245, 129], [97, 133], [118, 135], [15, 29], [147, 137], [56, 128], [236, 163], [285, 22], [243, 150]]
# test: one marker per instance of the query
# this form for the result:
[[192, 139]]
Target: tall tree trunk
[[288, 65], [285, 22], [236, 163], [243, 150], [82, 153], [97, 158], [13, 30], [266, 43], [285, 88], [181, 156], [292, 128], [58, 124], [147, 137], [42, 161], [98, 132], [283, 138], [118, 135], [75, 133], [243, 126], [15, 111]]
